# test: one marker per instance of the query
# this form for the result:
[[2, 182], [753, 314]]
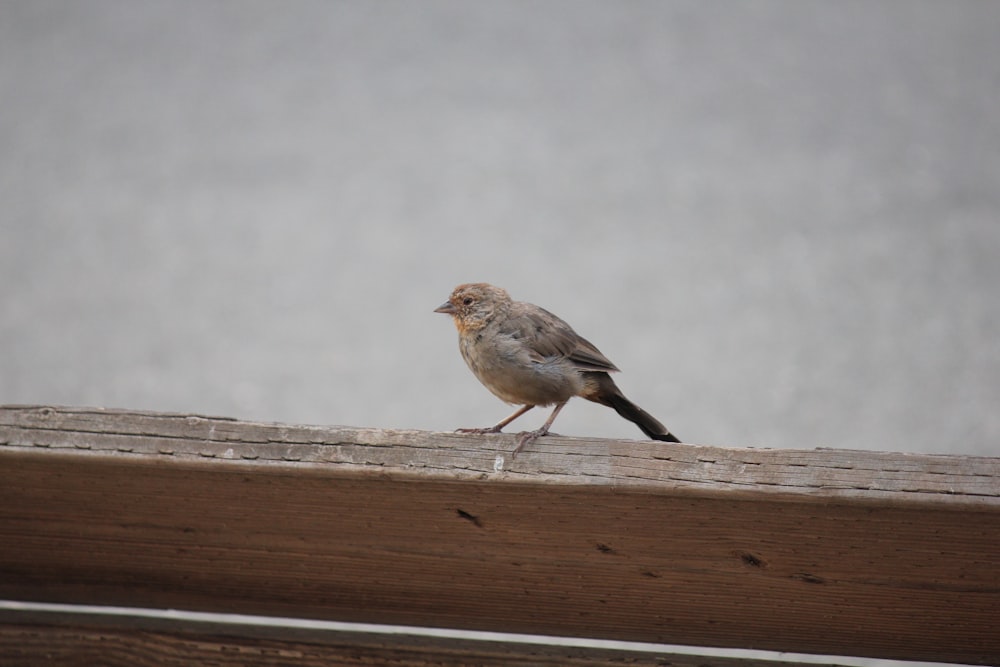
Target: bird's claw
[[526, 438]]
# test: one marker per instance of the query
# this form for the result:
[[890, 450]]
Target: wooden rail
[[814, 551]]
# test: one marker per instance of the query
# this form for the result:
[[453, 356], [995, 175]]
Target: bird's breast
[[507, 367]]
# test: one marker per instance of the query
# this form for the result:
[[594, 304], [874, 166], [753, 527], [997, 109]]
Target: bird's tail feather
[[610, 395]]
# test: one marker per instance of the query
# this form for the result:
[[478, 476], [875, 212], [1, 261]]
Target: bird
[[527, 356]]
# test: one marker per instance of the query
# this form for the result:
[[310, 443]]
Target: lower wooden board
[[32, 639], [159, 518]]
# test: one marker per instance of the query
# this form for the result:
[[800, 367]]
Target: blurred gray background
[[780, 219]]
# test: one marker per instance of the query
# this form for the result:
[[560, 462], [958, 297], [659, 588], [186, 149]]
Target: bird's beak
[[445, 308]]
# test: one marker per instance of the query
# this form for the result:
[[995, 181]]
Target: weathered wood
[[816, 551]]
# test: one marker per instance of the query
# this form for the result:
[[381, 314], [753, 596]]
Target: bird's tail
[[606, 392]]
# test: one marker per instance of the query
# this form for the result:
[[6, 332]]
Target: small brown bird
[[527, 356]]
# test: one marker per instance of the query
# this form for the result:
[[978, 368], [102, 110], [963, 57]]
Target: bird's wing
[[547, 336]]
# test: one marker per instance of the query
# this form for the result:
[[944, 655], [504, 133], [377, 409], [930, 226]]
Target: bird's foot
[[526, 438]]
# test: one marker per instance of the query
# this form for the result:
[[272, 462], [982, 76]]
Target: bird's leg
[[499, 426], [529, 437]]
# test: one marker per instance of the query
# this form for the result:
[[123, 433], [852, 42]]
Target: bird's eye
[[467, 301]]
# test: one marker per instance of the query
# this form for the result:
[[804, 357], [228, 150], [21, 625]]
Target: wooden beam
[[814, 551], [31, 639]]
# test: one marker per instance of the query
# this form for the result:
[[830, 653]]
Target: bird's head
[[473, 305]]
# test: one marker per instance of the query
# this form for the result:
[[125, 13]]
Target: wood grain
[[817, 551], [138, 642]]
